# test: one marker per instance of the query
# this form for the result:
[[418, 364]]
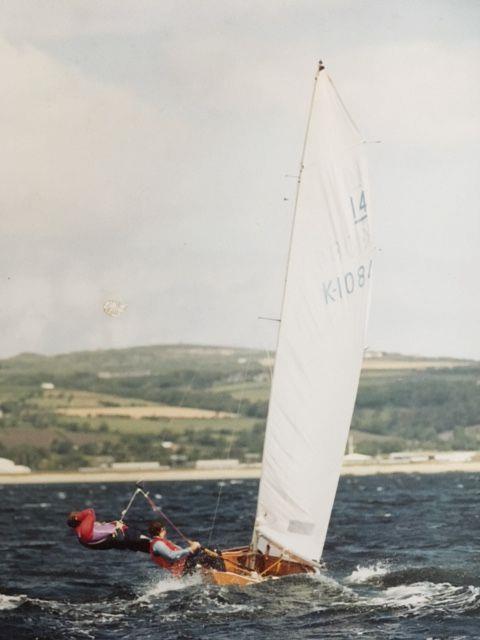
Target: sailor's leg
[[204, 559], [101, 545], [191, 563], [131, 540], [138, 543]]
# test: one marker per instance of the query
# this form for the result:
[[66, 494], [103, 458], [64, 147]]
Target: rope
[[347, 113], [164, 515], [125, 511], [269, 365], [220, 489], [182, 401]]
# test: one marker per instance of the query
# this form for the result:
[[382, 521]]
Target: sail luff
[[297, 192], [320, 68]]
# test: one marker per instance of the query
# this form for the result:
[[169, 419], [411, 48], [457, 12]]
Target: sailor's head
[[157, 528], [73, 519]]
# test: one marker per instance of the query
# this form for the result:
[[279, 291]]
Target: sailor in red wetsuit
[[105, 535], [168, 555]]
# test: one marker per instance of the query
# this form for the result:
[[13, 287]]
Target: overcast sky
[[144, 152]]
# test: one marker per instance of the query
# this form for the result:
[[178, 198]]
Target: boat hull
[[244, 567]]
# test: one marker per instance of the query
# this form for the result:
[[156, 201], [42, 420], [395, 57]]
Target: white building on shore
[[9, 466], [228, 463], [455, 456], [136, 466]]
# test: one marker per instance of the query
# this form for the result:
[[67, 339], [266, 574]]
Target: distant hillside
[[159, 359], [177, 403], [153, 359]]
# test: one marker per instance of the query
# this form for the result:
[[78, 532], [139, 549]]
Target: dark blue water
[[402, 561]]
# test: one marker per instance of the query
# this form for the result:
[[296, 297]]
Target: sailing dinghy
[[320, 349]]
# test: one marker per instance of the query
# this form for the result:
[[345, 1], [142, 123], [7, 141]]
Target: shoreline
[[240, 473]]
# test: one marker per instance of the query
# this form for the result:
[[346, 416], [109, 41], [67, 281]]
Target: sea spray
[[368, 574], [11, 602]]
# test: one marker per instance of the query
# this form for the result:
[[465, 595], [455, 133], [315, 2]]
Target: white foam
[[168, 583], [11, 602], [321, 577], [425, 596], [228, 608], [372, 572]]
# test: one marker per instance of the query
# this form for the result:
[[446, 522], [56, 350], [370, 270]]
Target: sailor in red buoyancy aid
[[166, 554], [105, 535]]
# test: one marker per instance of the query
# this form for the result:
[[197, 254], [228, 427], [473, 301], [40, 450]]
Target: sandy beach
[[239, 473]]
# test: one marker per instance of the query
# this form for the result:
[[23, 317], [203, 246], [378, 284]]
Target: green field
[[253, 391], [157, 426]]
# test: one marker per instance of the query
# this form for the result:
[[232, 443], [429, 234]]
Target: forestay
[[322, 334]]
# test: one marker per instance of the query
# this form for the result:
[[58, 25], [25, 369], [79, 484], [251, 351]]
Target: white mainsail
[[322, 333]]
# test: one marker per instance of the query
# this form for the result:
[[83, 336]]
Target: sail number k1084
[[344, 285]]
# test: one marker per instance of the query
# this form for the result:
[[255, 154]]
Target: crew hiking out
[[106, 535]]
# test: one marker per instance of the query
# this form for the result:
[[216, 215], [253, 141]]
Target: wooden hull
[[244, 567]]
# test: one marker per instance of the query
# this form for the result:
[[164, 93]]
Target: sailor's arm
[[161, 549], [87, 519]]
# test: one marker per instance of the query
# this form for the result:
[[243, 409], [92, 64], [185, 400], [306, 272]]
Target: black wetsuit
[[204, 559], [130, 540]]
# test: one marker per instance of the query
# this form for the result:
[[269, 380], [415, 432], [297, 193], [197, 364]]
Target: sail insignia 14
[[320, 347]]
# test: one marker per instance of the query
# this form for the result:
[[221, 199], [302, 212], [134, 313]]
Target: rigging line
[[125, 511], [182, 401], [185, 391], [220, 488], [269, 365], [347, 112], [162, 513]]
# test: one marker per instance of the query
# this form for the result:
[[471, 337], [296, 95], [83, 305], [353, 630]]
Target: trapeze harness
[[176, 567]]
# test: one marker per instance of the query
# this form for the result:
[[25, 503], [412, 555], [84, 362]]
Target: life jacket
[[176, 567], [91, 532]]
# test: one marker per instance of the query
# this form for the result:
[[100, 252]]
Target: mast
[[320, 68]]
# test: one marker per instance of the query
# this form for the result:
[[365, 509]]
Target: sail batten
[[322, 332]]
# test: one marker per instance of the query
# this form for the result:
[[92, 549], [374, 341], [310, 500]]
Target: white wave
[[322, 578], [361, 575], [423, 597], [11, 602], [165, 584], [219, 608]]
